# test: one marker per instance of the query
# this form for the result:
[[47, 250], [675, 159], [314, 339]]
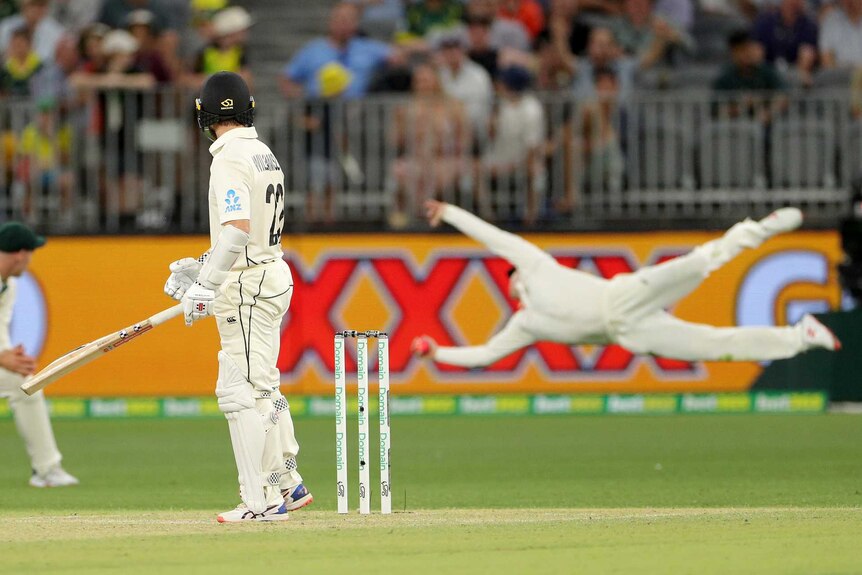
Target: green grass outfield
[[498, 494]]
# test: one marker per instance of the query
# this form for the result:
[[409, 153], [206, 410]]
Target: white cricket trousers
[[635, 310], [249, 311], [31, 419]]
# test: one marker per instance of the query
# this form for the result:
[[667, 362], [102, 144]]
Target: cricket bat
[[94, 350]]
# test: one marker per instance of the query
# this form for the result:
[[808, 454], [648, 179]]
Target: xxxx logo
[[420, 300]]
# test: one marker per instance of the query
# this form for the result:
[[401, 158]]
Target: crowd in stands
[[474, 68], [66, 57], [50, 46], [562, 43], [475, 75]]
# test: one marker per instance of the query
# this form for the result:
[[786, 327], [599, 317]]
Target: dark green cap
[[15, 236]]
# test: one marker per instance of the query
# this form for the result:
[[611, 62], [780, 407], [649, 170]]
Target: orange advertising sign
[[407, 285]]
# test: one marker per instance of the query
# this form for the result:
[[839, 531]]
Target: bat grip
[[167, 314]]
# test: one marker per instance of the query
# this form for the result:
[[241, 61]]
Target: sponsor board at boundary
[[575, 404], [446, 286]]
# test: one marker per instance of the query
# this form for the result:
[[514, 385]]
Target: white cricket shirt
[[246, 183], [559, 304]]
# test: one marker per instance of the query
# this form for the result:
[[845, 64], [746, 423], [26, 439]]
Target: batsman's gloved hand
[[184, 272], [197, 303]]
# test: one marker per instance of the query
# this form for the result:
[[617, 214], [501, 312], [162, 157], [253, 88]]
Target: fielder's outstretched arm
[[518, 251], [510, 339]]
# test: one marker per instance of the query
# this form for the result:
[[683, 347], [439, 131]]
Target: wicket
[[362, 392]]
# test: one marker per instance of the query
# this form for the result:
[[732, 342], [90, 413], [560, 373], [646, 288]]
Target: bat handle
[[167, 314]]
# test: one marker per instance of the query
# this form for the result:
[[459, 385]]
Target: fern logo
[[232, 201]]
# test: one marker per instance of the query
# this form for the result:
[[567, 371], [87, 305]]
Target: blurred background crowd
[[523, 110]]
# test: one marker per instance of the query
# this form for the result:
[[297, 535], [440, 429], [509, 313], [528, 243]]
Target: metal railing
[[133, 161]]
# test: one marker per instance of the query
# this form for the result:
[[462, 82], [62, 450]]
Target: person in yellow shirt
[[228, 51], [43, 161], [20, 65]]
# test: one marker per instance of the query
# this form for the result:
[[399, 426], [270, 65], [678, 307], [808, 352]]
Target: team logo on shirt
[[232, 201]]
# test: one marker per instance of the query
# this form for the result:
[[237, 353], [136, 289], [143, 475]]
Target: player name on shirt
[[265, 163]]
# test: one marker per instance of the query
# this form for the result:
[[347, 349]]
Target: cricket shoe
[[297, 497], [815, 334], [242, 514], [54, 477]]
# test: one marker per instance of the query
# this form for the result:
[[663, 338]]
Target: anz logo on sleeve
[[30, 316], [232, 201]]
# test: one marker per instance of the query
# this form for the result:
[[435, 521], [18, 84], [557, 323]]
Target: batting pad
[[247, 432]]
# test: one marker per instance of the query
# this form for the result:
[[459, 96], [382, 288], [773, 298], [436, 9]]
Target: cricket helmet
[[224, 96]]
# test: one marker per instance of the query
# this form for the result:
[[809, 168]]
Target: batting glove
[[197, 303], [184, 272]]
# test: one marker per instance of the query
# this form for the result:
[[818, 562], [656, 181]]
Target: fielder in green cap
[[17, 244]]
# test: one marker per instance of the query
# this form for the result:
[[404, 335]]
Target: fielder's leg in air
[[17, 244], [568, 306], [244, 282], [637, 302]]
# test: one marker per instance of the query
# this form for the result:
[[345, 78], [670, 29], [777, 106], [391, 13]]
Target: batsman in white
[[17, 244], [565, 305], [245, 283]]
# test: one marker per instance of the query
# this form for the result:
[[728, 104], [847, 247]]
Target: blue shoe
[[296, 497]]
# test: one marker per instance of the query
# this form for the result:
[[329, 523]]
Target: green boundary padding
[[654, 404]]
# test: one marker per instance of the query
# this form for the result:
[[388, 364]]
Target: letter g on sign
[[29, 316]]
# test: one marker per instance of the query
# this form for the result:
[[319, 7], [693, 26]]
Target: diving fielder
[[17, 244], [245, 283], [568, 306]]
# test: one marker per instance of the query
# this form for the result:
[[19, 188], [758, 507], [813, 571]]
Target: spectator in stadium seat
[[564, 36], [502, 32], [44, 31], [789, 37], [119, 92], [841, 35], [747, 71], [20, 66], [326, 143], [758, 81], [425, 15], [461, 78], [432, 140], [122, 66], [52, 81], [603, 51], [515, 160], [647, 37], [480, 48], [597, 139], [528, 12], [43, 169], [228, 51], [149, 57], [565, 30], [166, 25], [381, 19], [115, 13], [361, 56], [90, 48]]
